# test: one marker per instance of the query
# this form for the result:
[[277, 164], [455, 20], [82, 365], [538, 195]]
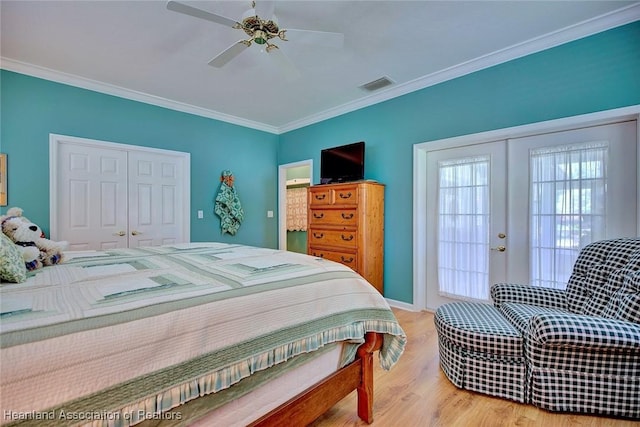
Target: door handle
[[120, 233], [135, 233], [499, 249]]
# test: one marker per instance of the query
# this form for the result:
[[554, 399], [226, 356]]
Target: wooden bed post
[[310, 404], [372, 343]]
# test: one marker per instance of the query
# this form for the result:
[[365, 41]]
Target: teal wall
[[33, 108], [593, 74]]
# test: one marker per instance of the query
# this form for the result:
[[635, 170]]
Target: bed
[[190, 333]]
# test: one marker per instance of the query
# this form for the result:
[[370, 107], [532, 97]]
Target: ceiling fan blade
[[264, 9], [318, 38], [285, 65], [228, 54], [199, 13]]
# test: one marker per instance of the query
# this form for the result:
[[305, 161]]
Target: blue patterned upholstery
[[580, 347]]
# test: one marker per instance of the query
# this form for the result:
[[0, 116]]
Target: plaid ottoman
[[480, 350]]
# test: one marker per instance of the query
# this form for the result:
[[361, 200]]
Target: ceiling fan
[[259, 23]]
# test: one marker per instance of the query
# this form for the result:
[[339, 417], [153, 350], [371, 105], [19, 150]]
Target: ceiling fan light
[[260, 37]]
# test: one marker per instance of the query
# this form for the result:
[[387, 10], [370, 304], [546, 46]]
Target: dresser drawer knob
[[347, 238], [319, 255], [318, 235], [345, 195], [318, 215], [347, 216], [320, 196], [347, 260]]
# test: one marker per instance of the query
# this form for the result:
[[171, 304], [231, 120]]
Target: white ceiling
[[141, 50]]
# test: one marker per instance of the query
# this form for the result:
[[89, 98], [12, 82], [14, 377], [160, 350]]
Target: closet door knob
[[135, 233], [120, 233]]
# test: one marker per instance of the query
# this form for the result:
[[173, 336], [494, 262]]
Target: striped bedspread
[[111, 336]]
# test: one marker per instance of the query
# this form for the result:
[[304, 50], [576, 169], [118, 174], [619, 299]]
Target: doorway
[[297, 175], [518, 206]]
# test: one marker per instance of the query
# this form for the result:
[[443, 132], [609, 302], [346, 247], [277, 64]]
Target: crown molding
[[109, 89], [577, 31], [580, 30]]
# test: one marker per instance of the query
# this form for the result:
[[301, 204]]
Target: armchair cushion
[[579, 331], [520, 315], [625, 302], [598, 273]]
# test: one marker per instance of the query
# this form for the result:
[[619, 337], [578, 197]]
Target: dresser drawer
[[324, 237], [320, 196], [343, 194], [347, 195], [346, 217], [348, 259]]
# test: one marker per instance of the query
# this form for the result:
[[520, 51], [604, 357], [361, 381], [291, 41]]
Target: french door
[[468, 186], [520, 209]]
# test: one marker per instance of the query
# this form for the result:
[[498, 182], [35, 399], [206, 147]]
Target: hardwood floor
[[416, 393]]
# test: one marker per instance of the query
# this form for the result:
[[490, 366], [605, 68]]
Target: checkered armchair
[[582, 345]]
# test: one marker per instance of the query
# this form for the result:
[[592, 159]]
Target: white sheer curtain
[[568, 195], [463, 227]]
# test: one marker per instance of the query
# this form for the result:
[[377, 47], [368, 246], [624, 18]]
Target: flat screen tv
[[342, 164]]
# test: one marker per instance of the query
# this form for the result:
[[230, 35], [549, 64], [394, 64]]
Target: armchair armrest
[[583, 331], [527, 294]]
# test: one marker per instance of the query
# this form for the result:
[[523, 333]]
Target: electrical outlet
[[269, 214]]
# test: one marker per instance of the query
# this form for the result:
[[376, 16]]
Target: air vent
[[377, 84]]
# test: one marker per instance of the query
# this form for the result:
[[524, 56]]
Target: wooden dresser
[[346, 224]]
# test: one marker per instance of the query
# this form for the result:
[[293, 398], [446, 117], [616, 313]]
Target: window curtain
[[463, 227], [568, 195], [297, 209]]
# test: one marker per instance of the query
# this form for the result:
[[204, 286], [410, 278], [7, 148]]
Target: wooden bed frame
[[315, 401], [307, 406]]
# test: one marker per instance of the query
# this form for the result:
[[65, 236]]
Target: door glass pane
[[463, 227], [568, 199]]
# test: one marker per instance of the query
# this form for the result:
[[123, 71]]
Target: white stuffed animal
[[36, 250]]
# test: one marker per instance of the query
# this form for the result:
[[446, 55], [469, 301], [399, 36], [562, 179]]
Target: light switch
[[200, 214], [269, 214]]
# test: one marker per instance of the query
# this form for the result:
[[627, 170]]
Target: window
[[463, 227], [568, 192]]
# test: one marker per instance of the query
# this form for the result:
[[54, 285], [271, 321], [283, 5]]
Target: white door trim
[[420, 184], [56, 139], [282, 198]]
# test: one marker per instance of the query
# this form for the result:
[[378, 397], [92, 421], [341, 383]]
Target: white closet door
[[155, 199], [91, 182], [106, 195]]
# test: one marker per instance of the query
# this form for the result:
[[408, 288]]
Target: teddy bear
[[37, 251]]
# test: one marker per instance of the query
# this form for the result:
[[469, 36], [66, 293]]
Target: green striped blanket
[[108, 335]]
